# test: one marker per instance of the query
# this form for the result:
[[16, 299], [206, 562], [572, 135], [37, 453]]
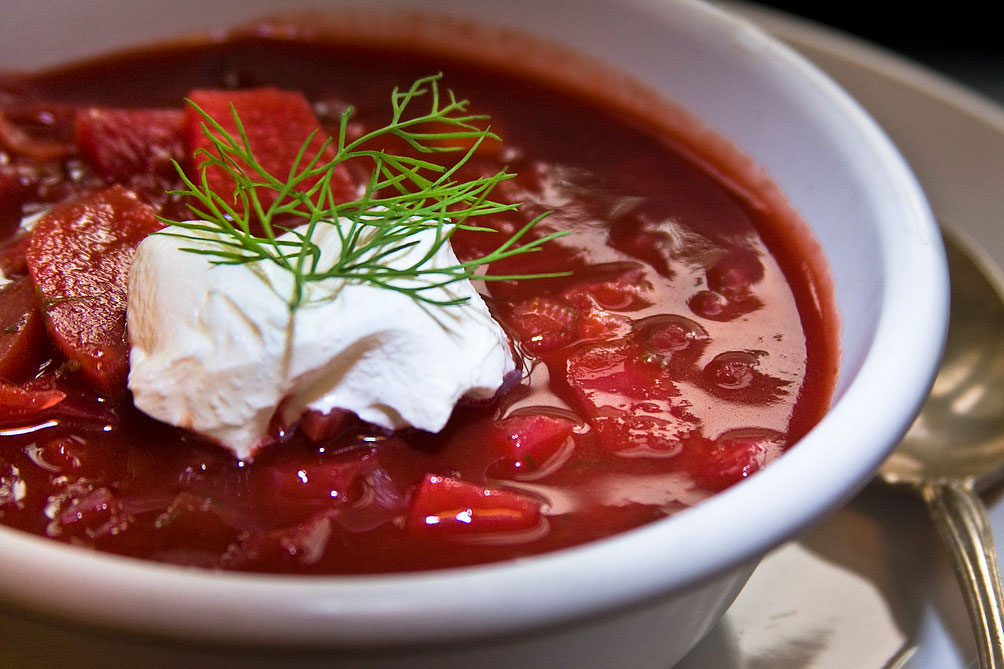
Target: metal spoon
[[955, 448]]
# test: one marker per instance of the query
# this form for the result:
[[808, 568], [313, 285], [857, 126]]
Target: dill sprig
[[404, 196]]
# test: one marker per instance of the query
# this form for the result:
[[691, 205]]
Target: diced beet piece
[[734, 273], [18, 141], [316, 425], [616, 373], [617, 286], [17, 402], [311, 481], [194, 521], [276, 122], [530, 440], [12, 255], [630, 398], [284, 549], [121, 143], [22, 332], [78, 259], [677, 341], [734, 456], [629, 432], [444, 505], [295, 486], [599, 324], [84, 511], [12, 195], [544, 324], [84, 412]]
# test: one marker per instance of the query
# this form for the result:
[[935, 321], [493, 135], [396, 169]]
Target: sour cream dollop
[[217, 350]]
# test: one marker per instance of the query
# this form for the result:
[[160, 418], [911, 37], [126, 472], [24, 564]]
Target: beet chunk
[[18, 403], [22, 335], [120, 143], [78, 259], [445, 506], [276, 122]]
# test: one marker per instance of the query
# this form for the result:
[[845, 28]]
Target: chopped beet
[[317, 425], [528, 441], [19, 142], [192, 521], [22, 333], [295, 487], [617, 286], [291, 547], [17, 402], [12, 194], [544, 323], [121, 143], [732, 458], [678, 342], [276, 122], [598, 324], [734, 273], [12, 255], [79, 259], [87, 512], [630, 432], [614, 373], [444, 505]]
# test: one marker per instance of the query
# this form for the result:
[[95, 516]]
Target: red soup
[[682, 350]]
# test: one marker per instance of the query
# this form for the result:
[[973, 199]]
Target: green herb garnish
[[403, 197]]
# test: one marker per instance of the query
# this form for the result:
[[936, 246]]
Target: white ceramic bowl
[[639, 599]]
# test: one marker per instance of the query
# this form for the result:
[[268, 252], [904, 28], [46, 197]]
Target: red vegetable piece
[[84, 511], [78, 259], [625, 289], [599, 324], [316, 425], [630, 398], [17, 402], [734, 274], [276, 122], [193, 521], [444, 505], [630, 432], [12, 194], [12, 255], [529, 440], [676, 340], [18, 141], [310, 481], [287, 549], [22, 333], [734, 456], [120, 143], [614, 373], [544, 324]]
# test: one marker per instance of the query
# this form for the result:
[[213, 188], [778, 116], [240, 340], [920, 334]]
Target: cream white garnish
[[217, 350]]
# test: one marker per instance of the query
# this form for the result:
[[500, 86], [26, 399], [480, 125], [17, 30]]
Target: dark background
[[962, 39]]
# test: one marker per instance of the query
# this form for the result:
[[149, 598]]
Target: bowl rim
[[562, 586]]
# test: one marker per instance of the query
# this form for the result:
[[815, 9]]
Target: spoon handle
[[962, 521]]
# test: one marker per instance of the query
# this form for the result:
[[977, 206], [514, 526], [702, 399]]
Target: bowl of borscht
[[396, 334]]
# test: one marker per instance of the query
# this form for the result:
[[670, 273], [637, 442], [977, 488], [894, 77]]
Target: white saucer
[[871, 586]]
